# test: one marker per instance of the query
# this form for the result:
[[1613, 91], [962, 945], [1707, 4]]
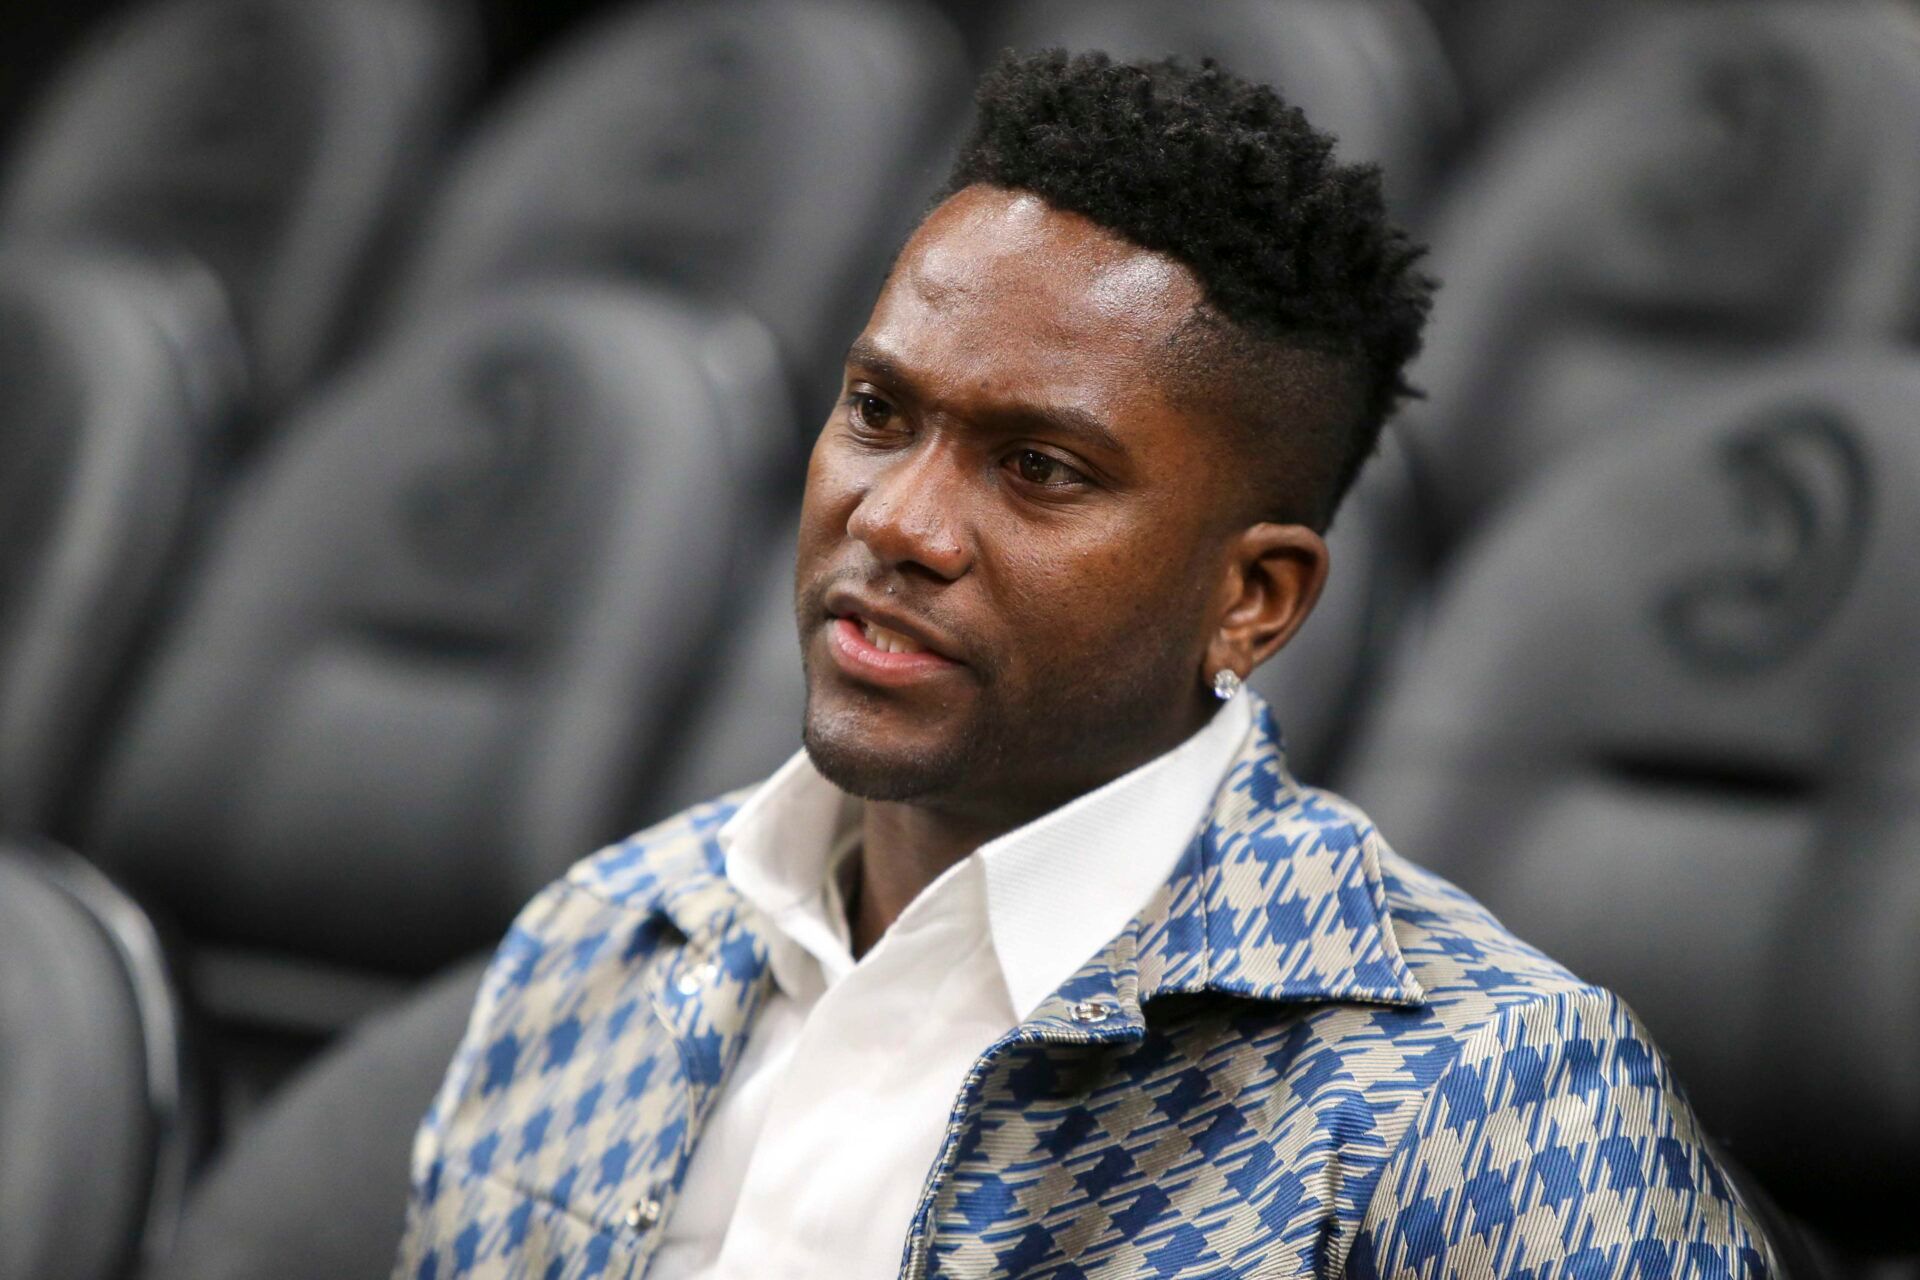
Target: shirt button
[[1091, 1011], [643, 1213]]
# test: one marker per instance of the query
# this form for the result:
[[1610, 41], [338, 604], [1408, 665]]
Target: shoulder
[[638, 871], [1547, 1130], [1468, 963], [1481, 986], [610, 911], [1468, 967], [642, 890], [1557, 1141]]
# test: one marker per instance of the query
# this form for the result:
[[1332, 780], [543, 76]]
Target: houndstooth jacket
[[1306, 1056]]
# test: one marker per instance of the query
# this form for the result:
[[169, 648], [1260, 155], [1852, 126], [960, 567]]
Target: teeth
[[888, 641]]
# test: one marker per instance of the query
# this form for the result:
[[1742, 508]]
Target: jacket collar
[[1278, 897]]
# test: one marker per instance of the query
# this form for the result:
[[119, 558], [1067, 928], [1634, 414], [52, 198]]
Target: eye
[[1044, 470], [868, 412]]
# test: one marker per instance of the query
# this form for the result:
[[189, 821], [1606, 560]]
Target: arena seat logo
[[1801, 492], [1753, 113]]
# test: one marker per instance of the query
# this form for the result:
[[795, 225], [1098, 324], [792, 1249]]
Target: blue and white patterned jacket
[[1306, 1056]]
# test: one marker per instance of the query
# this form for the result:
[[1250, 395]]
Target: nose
[[908, 516]]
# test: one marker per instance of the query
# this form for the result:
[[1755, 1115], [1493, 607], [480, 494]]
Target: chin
[[862, 759]]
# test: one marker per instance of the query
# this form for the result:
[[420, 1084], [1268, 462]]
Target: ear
[[1273, 580]]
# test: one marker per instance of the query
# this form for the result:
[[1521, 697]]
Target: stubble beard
[[840, 747], [1044, 747]]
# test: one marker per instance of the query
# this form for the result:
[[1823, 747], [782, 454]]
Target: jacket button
[[1091, 1011], [643, 1213], [690, 981]]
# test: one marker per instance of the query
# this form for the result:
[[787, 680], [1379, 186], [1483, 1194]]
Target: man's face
[[1011, 545]]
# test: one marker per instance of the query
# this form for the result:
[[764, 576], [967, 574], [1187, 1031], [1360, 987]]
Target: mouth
[[885, 640], [889, 651]]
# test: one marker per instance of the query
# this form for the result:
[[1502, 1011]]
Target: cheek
[[832, 490], [1084, 598]]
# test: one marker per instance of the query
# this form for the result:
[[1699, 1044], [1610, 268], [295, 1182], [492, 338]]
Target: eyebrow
[[1060, 419]]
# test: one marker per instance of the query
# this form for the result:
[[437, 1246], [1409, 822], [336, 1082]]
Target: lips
[[877, 644]]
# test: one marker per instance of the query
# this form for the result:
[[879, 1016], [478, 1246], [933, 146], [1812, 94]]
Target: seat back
[[316, 1187], [116, 375], [751, 720], [766, 153], [1371, 72], [433, 652], [95, 1152], [1666, 724], [1724, 183], [269, 140], [1504, 51]]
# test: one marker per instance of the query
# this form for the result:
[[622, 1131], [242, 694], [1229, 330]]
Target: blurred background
[[402, 409]]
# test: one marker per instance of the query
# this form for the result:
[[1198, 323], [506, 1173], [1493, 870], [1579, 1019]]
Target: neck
[[903, 849]]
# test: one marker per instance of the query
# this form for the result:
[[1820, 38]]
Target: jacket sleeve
[[1558, 1145]]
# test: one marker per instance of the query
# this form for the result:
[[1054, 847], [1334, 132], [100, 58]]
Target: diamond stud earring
[[1226, 683]]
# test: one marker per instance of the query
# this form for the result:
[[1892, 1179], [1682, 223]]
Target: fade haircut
[[1312, 306]]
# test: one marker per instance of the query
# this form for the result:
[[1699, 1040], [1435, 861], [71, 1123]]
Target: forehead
[[998, 290]]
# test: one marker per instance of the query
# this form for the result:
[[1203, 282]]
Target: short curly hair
[[1309, 287]]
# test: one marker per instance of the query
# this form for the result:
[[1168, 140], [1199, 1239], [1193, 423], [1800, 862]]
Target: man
[[1036, 961]]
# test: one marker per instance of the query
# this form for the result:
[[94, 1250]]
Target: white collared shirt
[[813, 1160]]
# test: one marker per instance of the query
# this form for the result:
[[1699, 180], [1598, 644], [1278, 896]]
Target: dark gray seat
[[1371, 72], [1721, 185], [435, 648], [269, 140], [93, 1140], [750, 721], [1505, 51], [115, 374], [316, 1187], [1666, 725], [764, 153]]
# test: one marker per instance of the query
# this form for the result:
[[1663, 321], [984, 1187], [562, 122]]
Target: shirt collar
[[780, 849], [1057, 889], [1062, 886]]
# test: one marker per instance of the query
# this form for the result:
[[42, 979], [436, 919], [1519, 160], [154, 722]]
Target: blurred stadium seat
[[271, 141], [1722, 187], [1504, 51], [1666, 725], [316, 1187], [750, 722], [96, 1134], [115, 375], [767, 154], [436, 647], [1369, 71]]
